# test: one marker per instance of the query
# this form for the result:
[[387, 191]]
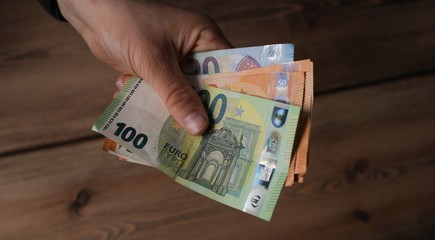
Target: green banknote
[[242, 161]]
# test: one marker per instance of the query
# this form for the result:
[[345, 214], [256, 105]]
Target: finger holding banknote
[[148, 39], [119, 83]]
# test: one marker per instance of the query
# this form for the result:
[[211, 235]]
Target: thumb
[[178, 96]]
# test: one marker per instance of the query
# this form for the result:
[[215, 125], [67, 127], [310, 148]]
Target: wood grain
[[53, 88], [370, 177]]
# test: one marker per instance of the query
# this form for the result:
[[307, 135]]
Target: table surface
[[372, 157]]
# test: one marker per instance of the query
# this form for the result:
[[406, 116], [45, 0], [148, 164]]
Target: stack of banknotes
[[259, 102]]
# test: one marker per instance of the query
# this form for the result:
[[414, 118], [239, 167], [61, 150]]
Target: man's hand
[[148, 39]]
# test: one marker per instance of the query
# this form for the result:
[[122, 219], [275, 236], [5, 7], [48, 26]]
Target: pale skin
[[148, 39]]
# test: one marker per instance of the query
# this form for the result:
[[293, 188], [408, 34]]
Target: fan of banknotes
[[259, 102]]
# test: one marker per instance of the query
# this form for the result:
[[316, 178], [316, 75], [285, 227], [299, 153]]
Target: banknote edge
[[114, 104]]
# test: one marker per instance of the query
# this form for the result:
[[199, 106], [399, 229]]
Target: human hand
[[148, 39]]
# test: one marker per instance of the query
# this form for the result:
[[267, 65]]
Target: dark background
[[372, 159]]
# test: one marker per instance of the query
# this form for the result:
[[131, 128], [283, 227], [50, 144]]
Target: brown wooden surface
[[371, 169]]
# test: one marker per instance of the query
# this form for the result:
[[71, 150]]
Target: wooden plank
[[370, 177], [53, 88]]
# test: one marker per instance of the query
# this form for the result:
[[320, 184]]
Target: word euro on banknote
[[236, 59], [242, 161]]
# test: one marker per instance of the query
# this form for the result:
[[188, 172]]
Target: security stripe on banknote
[[267, 170], [274, 195]]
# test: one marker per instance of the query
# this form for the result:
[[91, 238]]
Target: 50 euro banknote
[[288, 82], [241, 161]]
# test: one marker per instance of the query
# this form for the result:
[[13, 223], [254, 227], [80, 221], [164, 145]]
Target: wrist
[[89, 15]]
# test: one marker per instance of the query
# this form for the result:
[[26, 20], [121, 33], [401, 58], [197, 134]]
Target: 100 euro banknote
[[242, 161]]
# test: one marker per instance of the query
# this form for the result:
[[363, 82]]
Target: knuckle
[[206, 19], [208, 29]]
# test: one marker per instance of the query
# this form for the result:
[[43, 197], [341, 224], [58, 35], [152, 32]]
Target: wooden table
[[372, 158]]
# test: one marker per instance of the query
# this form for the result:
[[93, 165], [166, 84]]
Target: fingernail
[[195, 122], [119, 83]]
